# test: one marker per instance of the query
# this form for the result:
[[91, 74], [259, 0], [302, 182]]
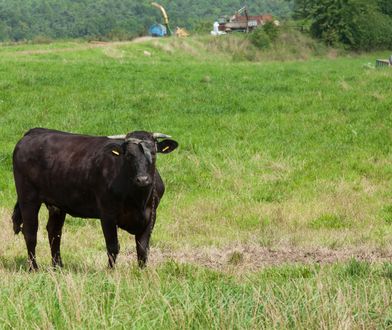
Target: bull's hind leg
[[54, 228], [29, 213]]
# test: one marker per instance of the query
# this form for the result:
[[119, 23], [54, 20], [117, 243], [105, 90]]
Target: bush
[[372, 31], [272, 30], [260, 38], [263, 36]]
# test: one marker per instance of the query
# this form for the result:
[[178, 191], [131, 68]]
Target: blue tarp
[[157, 30]]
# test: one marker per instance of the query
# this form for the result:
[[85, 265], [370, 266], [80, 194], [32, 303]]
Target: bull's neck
[[140, 196]]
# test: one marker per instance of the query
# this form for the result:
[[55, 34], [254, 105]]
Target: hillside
[[26, 19]]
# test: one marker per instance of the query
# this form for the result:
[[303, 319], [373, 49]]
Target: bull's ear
[[166, 146], [117, 148]]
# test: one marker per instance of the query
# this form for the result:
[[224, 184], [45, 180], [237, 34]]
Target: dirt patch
[[252, 258]]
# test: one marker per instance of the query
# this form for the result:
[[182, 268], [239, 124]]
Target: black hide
[[115, 181]]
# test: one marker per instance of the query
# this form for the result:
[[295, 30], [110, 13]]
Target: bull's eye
[[147, 152]]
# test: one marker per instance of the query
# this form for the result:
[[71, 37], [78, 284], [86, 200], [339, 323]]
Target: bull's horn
[[160, 136], [117, 137]]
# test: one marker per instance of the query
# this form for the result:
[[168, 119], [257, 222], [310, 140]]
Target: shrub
[[372, 31], [263, 36], [260, 38], [271, 30]]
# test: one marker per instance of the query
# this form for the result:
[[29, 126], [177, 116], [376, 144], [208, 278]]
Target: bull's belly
[[81, 213], [85, 205], [76, 205]]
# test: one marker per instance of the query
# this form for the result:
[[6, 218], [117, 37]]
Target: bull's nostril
[[142, 180]]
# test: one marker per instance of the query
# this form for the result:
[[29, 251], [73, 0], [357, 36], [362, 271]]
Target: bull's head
[[139, 149]]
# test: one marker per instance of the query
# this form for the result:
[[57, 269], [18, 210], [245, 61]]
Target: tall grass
[[290, 44], [177, 296]]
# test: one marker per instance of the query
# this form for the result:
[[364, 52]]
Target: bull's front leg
[[143, 239], [143, 246], [109, 229]]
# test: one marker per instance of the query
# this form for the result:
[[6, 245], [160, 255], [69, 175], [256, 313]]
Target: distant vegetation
[[115, 19], [357, 24], [351, 24]]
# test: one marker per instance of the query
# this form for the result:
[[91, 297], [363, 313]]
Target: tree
[[385, 7], [4, 31], [360, 24]]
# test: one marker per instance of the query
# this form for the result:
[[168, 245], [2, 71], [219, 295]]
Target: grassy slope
[[274, 154]]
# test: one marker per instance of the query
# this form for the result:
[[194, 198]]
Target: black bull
[[113, 179]]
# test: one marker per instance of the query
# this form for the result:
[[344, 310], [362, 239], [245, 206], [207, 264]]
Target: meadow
[[278, 208]]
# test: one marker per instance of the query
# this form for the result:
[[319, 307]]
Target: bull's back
[[61, 167], [55, 152]]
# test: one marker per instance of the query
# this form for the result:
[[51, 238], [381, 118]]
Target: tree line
[[121, 19], [355, 24]]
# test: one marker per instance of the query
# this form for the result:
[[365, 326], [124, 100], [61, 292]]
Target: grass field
[[278, 210]]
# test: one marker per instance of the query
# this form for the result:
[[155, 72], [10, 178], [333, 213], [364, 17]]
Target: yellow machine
[[165, 17], [180, 32]]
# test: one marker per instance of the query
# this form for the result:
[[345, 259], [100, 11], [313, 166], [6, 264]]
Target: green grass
[[283, 155], [184, 296]]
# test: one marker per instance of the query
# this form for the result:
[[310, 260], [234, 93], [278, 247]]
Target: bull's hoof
[[57, 264], [33, 268], [17, 228], [142, 264]]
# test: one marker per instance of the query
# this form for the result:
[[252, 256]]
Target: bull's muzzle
[[143, 181]]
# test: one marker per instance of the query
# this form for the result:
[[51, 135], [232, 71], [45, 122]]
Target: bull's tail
[[17, 219]]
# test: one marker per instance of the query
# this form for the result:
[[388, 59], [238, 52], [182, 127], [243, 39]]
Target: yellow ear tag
[[114, 152], [165, 148]]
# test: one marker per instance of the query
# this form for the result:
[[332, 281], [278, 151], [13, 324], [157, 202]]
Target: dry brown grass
[[293, 223], [207, 233]]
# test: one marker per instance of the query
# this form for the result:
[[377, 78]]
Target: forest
[[116, 19], [352, 24]]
